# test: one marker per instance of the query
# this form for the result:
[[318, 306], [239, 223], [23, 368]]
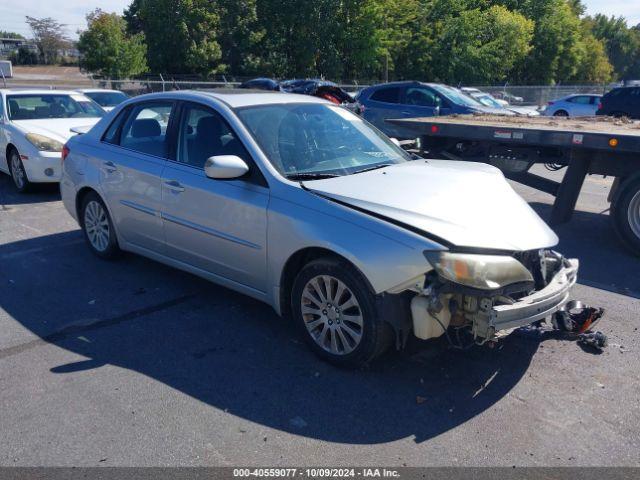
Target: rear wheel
[[18, 173], [336, 311], [98, 228], [625, 213]]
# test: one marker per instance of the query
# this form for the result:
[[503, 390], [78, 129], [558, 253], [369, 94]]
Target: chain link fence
[[533, 95]]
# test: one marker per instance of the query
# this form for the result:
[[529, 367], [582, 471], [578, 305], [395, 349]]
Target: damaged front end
[[484, 295]]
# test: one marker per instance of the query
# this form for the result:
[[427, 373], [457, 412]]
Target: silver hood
[[465, 204]]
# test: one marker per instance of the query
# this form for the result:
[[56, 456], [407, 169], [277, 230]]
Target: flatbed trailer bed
[[593, 145]]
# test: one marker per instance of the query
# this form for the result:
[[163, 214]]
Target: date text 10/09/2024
[[317, 472]]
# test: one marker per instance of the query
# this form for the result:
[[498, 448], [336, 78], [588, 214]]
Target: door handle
[[174, 186], [110, 167]]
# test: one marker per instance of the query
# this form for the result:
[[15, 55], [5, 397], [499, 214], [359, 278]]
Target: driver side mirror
[[225, 167]]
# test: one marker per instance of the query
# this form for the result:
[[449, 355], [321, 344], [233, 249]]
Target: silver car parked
[[303, 205]]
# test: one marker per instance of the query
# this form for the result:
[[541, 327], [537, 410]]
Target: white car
[[573, 106], [34, 125], [107, 99]]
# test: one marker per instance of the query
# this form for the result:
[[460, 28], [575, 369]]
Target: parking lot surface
[[134, 363]]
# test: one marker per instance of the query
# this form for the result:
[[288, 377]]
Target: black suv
[[621, 102]]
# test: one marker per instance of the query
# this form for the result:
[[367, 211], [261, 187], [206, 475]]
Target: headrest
[[209, 126], [55, 110], [146, 127]]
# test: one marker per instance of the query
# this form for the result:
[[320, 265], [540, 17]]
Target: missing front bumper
[[541, 304]]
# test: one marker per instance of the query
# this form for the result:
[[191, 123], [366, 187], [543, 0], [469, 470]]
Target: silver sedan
[[301, 204]]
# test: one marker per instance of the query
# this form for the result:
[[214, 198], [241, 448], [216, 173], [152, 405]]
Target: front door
[[219, 226]]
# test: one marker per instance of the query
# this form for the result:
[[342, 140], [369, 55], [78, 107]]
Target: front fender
[[385, 254]]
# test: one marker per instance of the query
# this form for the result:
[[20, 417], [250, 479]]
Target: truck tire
[[625, 213]]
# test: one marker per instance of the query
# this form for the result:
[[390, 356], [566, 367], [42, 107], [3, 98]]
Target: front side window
[[456, 96], [203, 133], [318, 139], [145, 130], [37, 106], [422, 97]]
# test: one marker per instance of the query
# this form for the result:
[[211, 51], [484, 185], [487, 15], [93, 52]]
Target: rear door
[[135, 154], [581, 106], [384, 103], [219, 226], [4, 162]]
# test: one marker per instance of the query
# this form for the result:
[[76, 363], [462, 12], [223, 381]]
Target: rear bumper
[[540, 305]]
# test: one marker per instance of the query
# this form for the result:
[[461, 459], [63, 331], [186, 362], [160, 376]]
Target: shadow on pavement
[[41, 193], [604, 261], [235, 354]]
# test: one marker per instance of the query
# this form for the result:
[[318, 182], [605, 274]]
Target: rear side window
[[582, 100], [387, 95], [145, 130]]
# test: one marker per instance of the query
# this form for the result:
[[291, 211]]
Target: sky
[[72, 12]]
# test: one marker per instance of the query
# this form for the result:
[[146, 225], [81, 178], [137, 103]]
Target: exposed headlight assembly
[[484, 272], [43, 143]]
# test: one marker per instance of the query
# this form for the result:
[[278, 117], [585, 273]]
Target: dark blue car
[[415, 99]]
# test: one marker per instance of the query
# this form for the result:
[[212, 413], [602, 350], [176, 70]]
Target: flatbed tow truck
[[584, 146]]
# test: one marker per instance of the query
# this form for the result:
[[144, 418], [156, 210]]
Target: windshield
[[41, 106], [318, 139], [488, 100], [456, 96], [107, 99]]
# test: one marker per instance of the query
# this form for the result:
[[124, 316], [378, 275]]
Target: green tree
[[622, 43], [594, 66], [107, 50], [181, 35], [482, 46], [555, 55], [24, 56], [5, 34], [239, 36]]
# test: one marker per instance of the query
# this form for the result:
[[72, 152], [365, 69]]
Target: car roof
[[42, 91], [404, 83], [238, 98], [97, 90]]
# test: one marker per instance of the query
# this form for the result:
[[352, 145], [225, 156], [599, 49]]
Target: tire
[[347, 342], [561, 113], [18, 173], [625, 214], [97, 227]]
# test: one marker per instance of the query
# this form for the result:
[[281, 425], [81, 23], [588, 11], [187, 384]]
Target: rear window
[[387, 95]]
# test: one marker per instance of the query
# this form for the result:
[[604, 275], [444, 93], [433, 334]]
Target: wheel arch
[[10, 146], [297, 261]]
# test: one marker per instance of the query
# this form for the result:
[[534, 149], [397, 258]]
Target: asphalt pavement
[[134, 363]]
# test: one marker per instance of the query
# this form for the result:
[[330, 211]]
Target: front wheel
[[18, 173], [625, 213], [98, 228], [336, 311]]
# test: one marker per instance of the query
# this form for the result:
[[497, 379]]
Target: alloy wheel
[[332, 315], [96, 225], [17, 172]]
